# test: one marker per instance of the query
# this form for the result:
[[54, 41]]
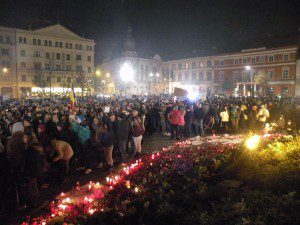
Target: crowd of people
[[40, 139]]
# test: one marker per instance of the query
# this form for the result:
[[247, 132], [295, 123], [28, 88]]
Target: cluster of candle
[[65, 204]]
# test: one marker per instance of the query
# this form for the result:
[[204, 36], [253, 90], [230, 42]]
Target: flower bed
[[184, 184]]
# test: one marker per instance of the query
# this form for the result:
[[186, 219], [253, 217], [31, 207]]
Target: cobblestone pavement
[[10, 216]]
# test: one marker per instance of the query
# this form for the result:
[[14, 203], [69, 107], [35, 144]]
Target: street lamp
[[5, 70], [98, 72], [107, 74], [248, 68]]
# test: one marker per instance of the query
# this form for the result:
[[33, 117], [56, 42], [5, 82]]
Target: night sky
[[171, 28]]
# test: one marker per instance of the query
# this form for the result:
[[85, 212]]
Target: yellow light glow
[[5, 70], [253, 142], [107, 74], [98, 72]]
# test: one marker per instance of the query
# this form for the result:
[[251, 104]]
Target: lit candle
[[127, 184], [97, 185]]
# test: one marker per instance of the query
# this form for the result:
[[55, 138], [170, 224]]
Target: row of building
[[47, 60], [44, 60]]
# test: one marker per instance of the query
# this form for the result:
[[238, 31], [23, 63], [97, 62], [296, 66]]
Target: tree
[[228, 86], [261, 79]]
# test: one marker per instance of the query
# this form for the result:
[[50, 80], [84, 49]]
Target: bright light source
[[98, 72], [151, 75], [252, 142], [146, 94], [5, 70], [248, 67], [126, 73], [192, 95], [103, 81], [157, 74], [107, 75]]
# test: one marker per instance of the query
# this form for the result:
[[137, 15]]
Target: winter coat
[[33, 166], [123, 130]]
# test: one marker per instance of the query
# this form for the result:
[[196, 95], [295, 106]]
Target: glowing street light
[[98, 72], [253, 142], [248, 67], [107, 74], [126, 73], [157, 74], [103, 81], [151, 75], [4, 70]]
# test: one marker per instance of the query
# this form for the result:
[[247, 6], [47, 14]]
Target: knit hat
[[17, 127]]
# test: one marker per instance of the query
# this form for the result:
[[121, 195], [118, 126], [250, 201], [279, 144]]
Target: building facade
[[272, 70], [194, 74], [45, 60], [149, 76]]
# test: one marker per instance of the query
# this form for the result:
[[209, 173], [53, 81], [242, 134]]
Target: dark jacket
[[199, 113], [107, 139], [33, 167], [123, 130]]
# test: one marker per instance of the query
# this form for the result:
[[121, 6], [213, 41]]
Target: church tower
[[129, 45]]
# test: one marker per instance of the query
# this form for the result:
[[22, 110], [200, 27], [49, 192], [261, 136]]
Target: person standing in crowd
[[138, 130], [174, 118], [253, 118], [189, 119], [262, 116], [33, 168], [63, 154], [224, 114], [199, 116], [83, 134], [106, 140], [122, 136]]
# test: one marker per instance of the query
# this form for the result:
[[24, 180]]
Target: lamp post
[[248, 68], [5, 70]]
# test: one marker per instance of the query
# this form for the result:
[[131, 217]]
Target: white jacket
[[224, 116]]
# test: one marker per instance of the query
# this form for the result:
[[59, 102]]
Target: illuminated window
[[285, 72], [208, 75], [271, 73], [194, 77], [261, 59], [186, 65], [37, 54], [201, 76]]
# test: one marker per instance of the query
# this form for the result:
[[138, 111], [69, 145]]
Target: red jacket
[[175, 116]]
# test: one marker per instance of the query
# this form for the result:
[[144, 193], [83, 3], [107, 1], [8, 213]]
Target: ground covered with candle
[[211, 183]]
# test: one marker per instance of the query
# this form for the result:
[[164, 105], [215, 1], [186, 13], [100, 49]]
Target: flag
[[72, 97]]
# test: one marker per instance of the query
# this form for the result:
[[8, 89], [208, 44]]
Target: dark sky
[[171, 28]]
